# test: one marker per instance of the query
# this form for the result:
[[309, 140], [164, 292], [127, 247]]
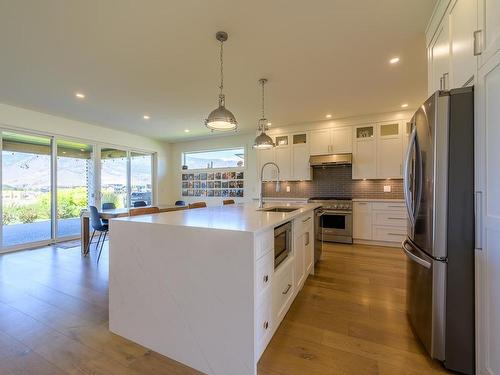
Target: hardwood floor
[[349, 319]]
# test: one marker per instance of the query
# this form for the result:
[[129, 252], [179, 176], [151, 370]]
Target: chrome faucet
[[261, 202]]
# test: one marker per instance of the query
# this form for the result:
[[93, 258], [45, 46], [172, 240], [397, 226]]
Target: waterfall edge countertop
[[239, 217]]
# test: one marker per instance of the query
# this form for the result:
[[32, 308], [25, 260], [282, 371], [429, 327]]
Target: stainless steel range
[[334, 219]]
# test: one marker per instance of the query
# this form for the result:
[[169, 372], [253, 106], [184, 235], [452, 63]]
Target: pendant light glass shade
[[263, 141], [221, 119]]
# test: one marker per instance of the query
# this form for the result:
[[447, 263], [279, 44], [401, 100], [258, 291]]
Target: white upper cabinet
[[321, 142], [341, 140], [488, 29], [439, 59], [265, 156], [301, 169], [292, 156], [389, 150], [284, 162], [331, 141], [364, 152], [462, 24]]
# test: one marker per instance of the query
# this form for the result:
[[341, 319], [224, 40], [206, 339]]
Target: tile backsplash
[[336, 182]]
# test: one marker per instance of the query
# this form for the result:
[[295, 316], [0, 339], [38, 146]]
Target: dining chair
[[97, 225], [140, 204], [180, 203], [107, 206], [143, 211], [197, 205], [228, 201]]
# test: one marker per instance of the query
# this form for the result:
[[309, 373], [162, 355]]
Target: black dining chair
[[180, 203], [107, 206], [140, 204], [97, 225]]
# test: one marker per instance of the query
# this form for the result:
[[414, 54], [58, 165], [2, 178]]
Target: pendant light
[[220, 118], [263, 141]]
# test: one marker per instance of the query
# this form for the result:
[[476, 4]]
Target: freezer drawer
[[425, 298]]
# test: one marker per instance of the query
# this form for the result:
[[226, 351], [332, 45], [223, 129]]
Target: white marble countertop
[[378, 200], [239, 217]]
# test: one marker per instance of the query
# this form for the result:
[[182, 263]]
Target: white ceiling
[[132, 57]]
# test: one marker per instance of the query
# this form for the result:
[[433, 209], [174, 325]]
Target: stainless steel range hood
[[330, 160]]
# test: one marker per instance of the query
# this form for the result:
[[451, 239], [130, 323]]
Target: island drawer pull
[[287, 289], [396, 218], [266, 324], [266, 278], [309, 218]]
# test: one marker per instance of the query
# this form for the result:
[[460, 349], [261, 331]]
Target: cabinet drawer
[[389, 234], [390, 218], [264, 243], [362, 206], [263, 321], [388, 206], [282, 290], [303, 223], [264, 271]]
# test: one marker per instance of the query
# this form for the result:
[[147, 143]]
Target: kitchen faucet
[[261, 202]]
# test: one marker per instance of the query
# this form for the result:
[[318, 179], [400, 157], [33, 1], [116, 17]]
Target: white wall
[[16, 118], [237, 140]]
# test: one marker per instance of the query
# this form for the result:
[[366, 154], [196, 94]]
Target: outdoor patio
[[16, 234]]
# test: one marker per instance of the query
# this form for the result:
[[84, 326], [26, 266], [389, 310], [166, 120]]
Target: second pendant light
[[263, 141]]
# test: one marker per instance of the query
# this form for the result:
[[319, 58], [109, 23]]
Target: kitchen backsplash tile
[[336, 182]]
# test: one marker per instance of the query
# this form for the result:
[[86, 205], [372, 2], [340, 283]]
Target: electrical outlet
[[387, 188], [287, 188]]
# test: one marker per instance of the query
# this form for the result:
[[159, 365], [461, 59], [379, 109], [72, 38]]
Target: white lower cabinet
[[282, 291], [379, 222], [362, 221]]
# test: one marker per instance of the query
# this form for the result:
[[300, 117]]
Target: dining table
[[112, 213]]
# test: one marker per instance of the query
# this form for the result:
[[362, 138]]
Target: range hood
[[330, 160]]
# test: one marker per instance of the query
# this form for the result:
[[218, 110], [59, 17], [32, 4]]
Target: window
[[223, 159], [141, 178]]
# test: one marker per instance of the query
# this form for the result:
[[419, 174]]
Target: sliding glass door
[[47, 181], [74, 181], [114, 177], [26, 189]]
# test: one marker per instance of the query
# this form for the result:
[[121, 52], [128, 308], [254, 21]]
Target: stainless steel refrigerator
[[439, 194]]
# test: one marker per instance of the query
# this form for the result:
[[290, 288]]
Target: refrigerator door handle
[[479, 220], [406, 176], [415, 258]]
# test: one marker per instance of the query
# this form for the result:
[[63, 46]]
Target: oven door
[[336, 226]]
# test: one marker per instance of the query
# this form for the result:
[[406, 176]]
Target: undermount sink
[[279, 209]]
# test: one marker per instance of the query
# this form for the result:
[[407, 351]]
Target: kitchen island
[[201, 287]]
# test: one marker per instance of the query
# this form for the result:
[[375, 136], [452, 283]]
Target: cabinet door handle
[[309, 218], [307, 238], [396, 218], [478, 42], [478, 205], [266, 325], [441, 83], [445, 81], [287, 289], [265, 278]]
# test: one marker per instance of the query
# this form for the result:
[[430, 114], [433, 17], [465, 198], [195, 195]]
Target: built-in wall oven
[[282, 243], [334, 219]]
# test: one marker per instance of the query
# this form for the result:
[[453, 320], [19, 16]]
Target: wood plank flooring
[[349, 319]]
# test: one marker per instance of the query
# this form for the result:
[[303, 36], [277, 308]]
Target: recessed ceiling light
[[394, 60], [80, 95], [186, 130], [404, 105], [146, 117], [328, 116]]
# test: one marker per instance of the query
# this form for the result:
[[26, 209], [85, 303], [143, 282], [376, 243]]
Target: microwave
[[282, 243]]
